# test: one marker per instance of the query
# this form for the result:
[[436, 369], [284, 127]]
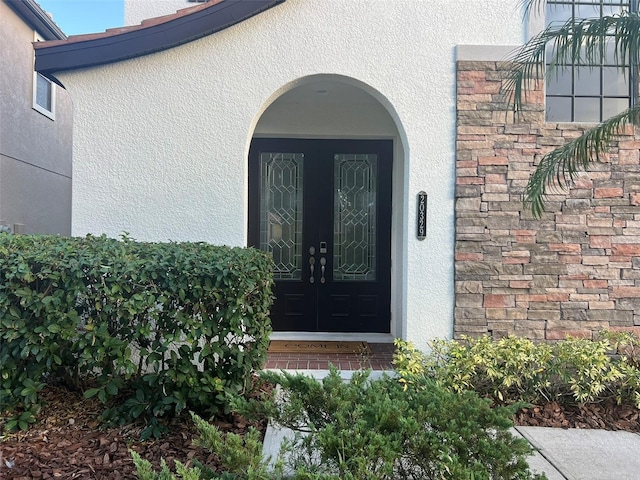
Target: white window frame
[[52, 88]]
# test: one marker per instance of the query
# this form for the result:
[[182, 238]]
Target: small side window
[[44, 92]]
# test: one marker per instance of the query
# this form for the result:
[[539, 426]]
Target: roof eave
[[122, 45], [35, 16]]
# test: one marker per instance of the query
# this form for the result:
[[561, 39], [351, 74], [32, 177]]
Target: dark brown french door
[[322, 208]]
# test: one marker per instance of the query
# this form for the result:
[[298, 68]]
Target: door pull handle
[[323, 262], [312, 262]]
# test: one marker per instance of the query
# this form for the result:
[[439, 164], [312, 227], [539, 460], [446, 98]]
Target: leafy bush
[[514, 369], [368, 430], [159, 326], [378, 429]]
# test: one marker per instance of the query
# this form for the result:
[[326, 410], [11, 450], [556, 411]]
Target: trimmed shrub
[[382, 429], [159, 326], [514, 369]]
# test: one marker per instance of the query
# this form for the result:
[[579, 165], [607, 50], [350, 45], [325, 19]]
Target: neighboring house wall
[[573, 271], [35, 151], [161, 141]]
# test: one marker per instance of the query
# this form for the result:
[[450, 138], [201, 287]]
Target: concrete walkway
[[571, 454], [575, 454]]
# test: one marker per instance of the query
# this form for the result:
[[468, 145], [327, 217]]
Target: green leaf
[[54, 328], [92, 392], [112, 388]]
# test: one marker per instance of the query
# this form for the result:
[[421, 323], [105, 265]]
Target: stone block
[[602, 305], [563, 334], [573, 314], [469, 287], [546, 281], [600, 241], [471, 203], [497, 301], [628, 249], [595, 260], [544, 314], [624, 292], [545, 269], [608, 192], [468, 191], [622, 316], [468, 300], [595, 284]]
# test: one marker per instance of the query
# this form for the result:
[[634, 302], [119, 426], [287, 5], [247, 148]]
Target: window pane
[[43, 93], [560, 82], [613, 106], [615, 81], [558, 109], [591, 94], [586, 110], [611, 54], [587, 81], [587, 11], [610, 10], [558, 14]]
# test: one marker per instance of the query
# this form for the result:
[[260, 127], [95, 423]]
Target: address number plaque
[[422, 216]]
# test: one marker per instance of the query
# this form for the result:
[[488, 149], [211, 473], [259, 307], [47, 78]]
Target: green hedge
[[158, 326]]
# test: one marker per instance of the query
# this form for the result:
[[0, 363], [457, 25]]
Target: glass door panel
[[354, 216], [281, 207]]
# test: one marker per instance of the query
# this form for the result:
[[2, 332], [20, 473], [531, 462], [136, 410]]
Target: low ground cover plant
[[367, 428], [150, 329]]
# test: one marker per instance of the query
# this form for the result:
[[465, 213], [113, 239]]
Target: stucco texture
[[35, 150], [161, 142]]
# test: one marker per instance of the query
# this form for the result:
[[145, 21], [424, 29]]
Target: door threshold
[[334, 336]]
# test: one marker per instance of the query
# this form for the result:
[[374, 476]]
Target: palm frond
[[573, 43], [581, 43], [530, 5], [559, 167]]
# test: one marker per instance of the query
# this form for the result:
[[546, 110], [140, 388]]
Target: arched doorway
[[322, 164]]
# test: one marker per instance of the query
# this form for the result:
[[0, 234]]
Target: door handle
[[323, 262], [312, 263]]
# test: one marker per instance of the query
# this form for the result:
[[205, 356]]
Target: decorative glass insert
[[281, 212], [579, 93], [354, 216]]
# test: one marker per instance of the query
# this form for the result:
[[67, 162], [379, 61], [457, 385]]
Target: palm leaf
[[559, 167], [582, 43]]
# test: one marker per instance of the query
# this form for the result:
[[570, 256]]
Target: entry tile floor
[[379, 358]]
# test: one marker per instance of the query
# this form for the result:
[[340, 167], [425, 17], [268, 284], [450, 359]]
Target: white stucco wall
[[135, 11], [161, 142]]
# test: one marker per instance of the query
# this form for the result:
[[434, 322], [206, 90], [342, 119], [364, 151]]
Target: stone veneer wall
[[573, 271]]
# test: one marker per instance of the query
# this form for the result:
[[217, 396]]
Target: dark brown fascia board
[[37, 18], [72, 55]]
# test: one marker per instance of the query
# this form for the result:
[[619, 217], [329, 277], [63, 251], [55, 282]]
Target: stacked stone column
[[573, 271]]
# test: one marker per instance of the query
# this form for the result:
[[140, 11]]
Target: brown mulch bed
[[607, 415], [68, 442]]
